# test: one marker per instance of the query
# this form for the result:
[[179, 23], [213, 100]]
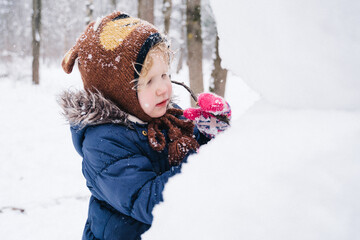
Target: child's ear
[[69, 60]]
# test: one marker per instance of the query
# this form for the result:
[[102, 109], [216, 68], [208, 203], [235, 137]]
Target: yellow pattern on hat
[[116, 31]]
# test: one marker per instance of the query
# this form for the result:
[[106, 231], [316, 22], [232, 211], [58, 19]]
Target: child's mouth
[[161, 104]]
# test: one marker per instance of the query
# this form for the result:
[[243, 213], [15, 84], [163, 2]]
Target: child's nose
[[161, 89]]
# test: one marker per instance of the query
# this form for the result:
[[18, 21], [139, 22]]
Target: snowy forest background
[[55, 26], [289, 166]]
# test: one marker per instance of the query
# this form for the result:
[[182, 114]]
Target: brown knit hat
[[108, 53]]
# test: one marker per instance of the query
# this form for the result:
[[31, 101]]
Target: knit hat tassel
[[180, 134]]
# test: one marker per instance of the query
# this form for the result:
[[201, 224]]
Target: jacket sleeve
[[124, 178]]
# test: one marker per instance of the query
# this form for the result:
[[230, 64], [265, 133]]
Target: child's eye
[[165, 75], [149, 82]]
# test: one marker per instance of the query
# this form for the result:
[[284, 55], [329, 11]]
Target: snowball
[[294, 53]]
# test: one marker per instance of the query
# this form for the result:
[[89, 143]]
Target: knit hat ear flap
[[69, 60]]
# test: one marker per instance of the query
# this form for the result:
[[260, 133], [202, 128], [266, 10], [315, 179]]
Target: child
[[130, 135]]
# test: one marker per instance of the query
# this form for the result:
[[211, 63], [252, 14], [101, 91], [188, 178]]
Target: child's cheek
[[170, 89]]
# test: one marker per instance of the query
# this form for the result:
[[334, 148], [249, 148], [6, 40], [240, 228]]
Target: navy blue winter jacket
[[124, 174]]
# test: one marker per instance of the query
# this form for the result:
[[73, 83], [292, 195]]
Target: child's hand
[[208, 117]]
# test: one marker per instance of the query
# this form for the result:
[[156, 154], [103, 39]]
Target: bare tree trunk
[[146, 10], [36, 27], [89, 11], [194, 46], [218, 74], [181, 60], [113, 4], [183, 36], [167, 8]]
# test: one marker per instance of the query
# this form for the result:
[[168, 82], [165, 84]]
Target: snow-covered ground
[[40, 172]]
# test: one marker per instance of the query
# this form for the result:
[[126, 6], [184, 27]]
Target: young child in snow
[[124, 125]]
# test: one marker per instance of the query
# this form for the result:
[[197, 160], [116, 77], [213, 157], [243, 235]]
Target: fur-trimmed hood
[[83, 108]]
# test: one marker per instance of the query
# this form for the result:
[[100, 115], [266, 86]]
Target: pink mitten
[[207, 117]]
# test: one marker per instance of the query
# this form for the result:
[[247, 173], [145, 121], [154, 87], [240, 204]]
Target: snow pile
[[278, 173], [294, 53]]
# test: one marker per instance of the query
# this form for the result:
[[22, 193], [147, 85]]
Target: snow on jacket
[[124, 174]]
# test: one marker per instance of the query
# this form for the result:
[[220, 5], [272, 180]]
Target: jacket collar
[[134, 119], [83, 108]]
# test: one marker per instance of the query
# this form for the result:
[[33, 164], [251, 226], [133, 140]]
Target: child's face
[[154, 89]]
